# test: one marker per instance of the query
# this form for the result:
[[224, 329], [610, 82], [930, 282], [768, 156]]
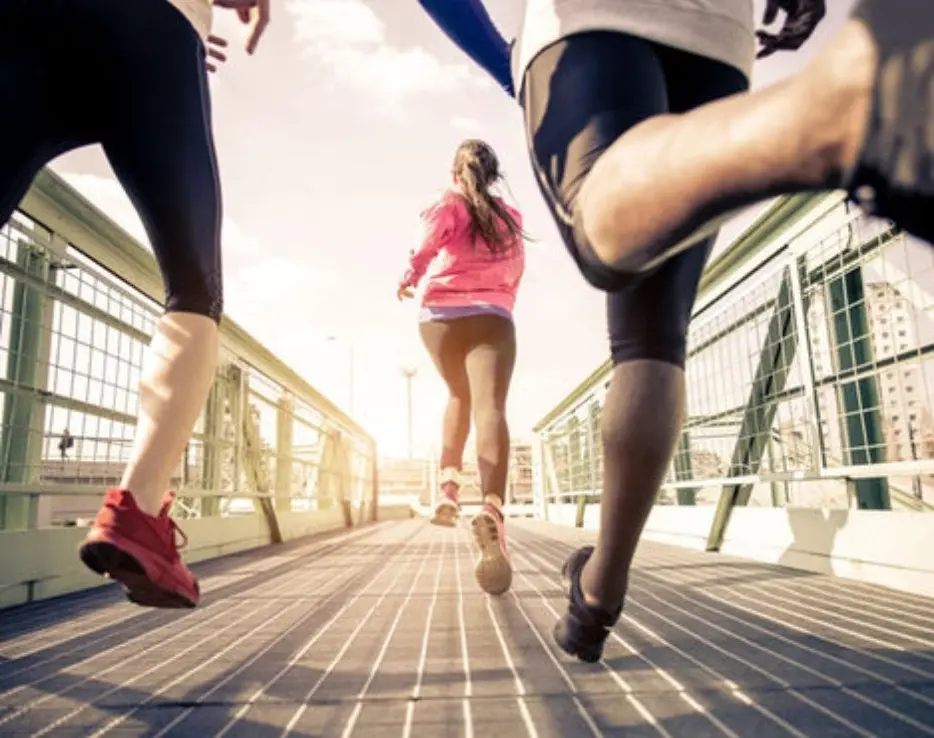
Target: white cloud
[[348, 37]]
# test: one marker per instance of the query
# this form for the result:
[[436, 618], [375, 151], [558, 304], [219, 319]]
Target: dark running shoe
[[894, 178], [584, 629]]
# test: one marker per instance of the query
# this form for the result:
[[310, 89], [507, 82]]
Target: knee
[[591, 227], [489, 415], [199, 292], [666, 348], [459, 396]]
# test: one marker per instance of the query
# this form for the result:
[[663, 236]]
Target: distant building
[[406, 477]]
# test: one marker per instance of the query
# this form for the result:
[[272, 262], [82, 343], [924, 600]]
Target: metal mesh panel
[[808, 380], [72, 343]]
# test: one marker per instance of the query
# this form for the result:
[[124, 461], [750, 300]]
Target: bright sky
[[331, 140]]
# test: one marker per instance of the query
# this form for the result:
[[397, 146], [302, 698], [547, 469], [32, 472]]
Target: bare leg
[[180, 368], [492, 453], [669, 181], [639, 432], [489, 368], [454, 438], [455, 431]]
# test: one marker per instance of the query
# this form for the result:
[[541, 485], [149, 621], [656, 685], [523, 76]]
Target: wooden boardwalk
[[383, 632]]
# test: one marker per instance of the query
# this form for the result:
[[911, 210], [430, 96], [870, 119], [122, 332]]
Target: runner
[[590, 73], [466, 325], [132, 76]]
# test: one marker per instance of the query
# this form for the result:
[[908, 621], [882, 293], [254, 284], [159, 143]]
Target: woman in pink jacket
[[466, 325]]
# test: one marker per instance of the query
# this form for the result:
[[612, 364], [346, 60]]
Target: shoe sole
[[493, 570], [445, 516], [589, 653], [111, 562]]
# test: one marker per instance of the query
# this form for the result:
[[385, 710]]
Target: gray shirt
[[718, 29]]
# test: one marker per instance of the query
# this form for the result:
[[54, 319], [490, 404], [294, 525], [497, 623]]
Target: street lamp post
[[409, 372]]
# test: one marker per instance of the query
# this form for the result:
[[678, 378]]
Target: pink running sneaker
[[493, 570], [448, 507], [140, 552]]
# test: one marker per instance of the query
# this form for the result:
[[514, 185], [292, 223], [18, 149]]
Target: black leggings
[[579, 96], [475, 356], [132, 77]]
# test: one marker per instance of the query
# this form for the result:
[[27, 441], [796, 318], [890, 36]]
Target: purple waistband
[[452, 312]]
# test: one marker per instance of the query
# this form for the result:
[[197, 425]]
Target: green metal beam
[[775, 360], [859, 398], [374, 487], [284, 432], [684, 470], [581, 509], [27, 366], [211, 474]]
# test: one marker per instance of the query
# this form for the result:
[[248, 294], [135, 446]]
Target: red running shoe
[[448, 506], [140, 552]]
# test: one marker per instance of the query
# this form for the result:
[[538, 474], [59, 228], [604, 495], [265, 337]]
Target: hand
[[801, 18], [404, 293], [215, 44], [253, 12]]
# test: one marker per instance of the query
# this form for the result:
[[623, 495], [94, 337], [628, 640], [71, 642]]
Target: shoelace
[[156, 522], [177, 531]]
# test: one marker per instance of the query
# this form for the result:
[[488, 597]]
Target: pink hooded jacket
[[468, 273]]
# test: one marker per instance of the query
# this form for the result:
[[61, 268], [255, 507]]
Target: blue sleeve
[[468, 25]]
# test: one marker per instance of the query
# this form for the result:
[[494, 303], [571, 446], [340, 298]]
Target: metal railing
[[809, 374], [78, 303]]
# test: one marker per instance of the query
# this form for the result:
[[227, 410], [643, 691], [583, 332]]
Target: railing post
[[806, 359], [27, 368], [374, 491], [345, 475], [684, 470], [238, 389], [594, 447], [539, 480], [551, 474], [859, 396], [334, 472], [284, 432], [258, 468], [581, 509], [213, 445], [325, 486]]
